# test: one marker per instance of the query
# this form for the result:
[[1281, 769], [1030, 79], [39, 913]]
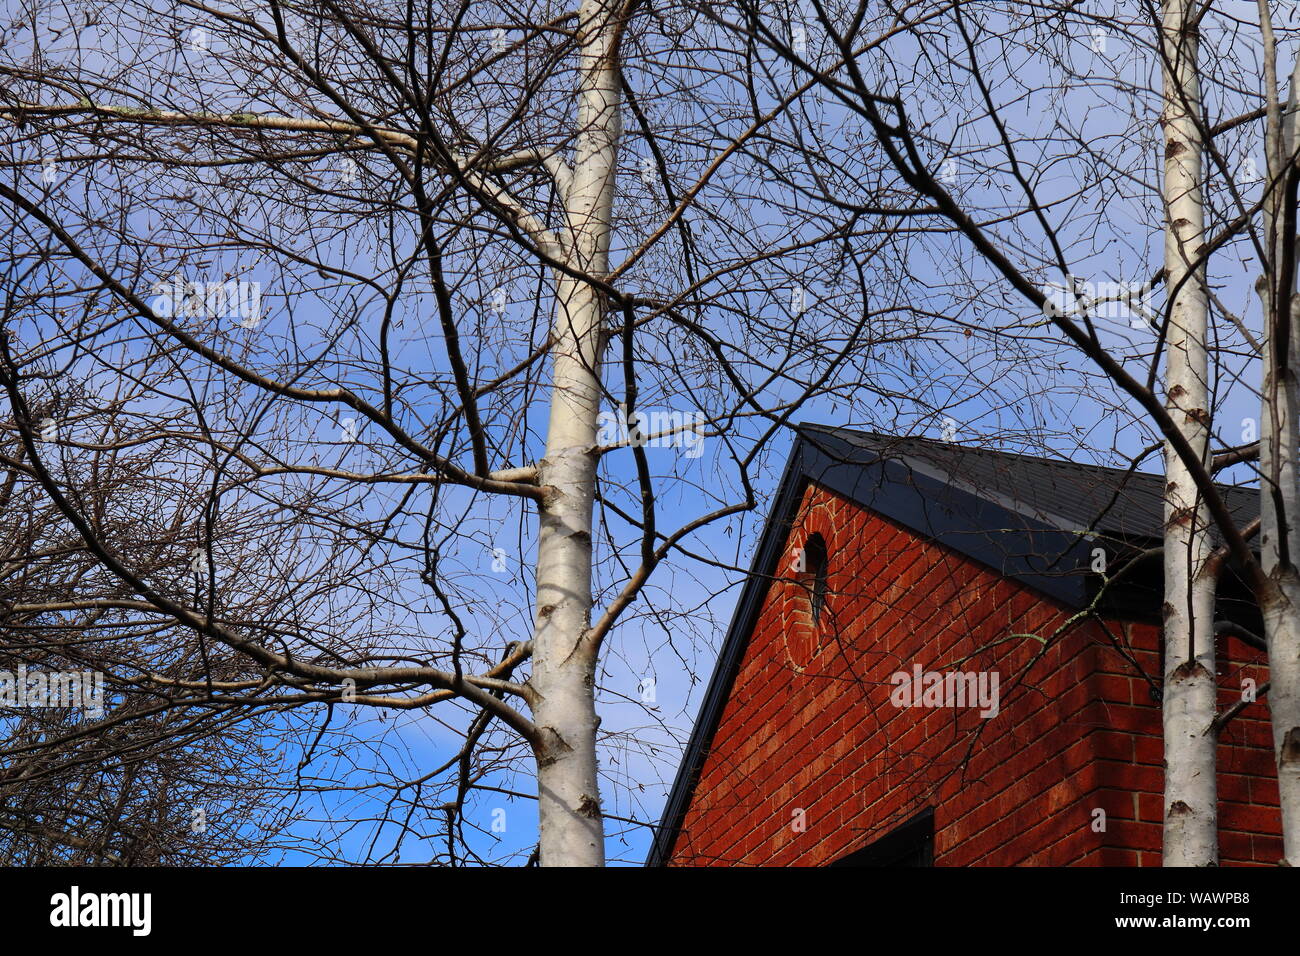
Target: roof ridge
[[940, 443]]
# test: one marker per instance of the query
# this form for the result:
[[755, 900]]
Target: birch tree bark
[[1279, 447], [1190, 800], [565, 654]]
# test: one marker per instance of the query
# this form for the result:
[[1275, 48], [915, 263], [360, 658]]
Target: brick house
[[885, 557]]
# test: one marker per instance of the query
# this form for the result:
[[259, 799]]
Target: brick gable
[[809, 725]]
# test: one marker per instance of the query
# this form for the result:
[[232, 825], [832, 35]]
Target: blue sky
[[1036, 398]]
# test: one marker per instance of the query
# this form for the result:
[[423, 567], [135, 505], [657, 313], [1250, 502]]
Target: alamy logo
[[653, 429], [84, 689], [954, 689], [236, 298], [74, 909], [1076, 297]]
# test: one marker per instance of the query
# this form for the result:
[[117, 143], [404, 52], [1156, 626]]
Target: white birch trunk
[[1278, 450], [564, 657], [1280, 501], [1190, 798]]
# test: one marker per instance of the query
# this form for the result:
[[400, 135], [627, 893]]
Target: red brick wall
[[810, 726]]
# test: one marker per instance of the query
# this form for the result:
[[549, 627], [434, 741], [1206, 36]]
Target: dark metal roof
[[1065, 494], [1032, 519]]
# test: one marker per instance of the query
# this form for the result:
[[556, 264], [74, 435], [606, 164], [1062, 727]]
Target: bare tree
[[1279, 448], [1033, 132], [130, 773], [1191, 836], [409, 276]]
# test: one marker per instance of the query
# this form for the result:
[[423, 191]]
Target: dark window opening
[[908, 844], [814, 574]]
